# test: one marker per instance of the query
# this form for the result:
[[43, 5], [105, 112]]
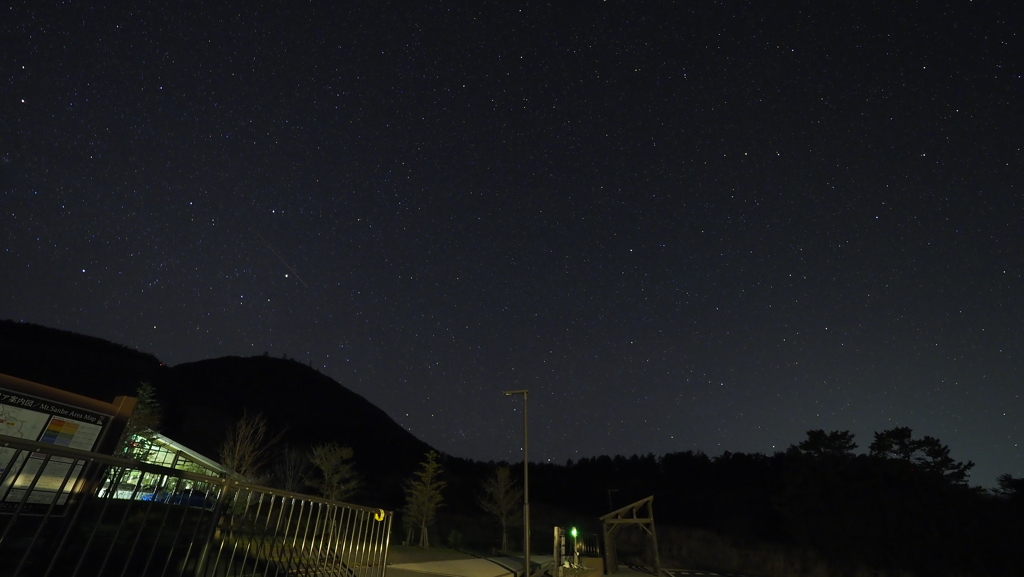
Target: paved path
[[694, 573], [512, 566], [489, 567]]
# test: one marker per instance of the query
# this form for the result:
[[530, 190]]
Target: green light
[[573, 532]]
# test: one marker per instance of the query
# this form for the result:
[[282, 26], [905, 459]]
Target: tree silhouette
[[289, 469], [894, 443], [144, 421], [502, 499], [1009, 487], [423, 496], [926, 453], [247, 447], [820, 444], [336, 479]]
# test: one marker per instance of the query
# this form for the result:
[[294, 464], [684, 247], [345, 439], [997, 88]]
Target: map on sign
[[21, 423], [28, 417]]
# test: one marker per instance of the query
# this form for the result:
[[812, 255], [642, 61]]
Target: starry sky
[[706, 225]]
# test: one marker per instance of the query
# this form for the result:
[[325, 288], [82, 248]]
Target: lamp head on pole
[[522, 392]]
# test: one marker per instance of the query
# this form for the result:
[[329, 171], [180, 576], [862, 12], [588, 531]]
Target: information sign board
[[29, 412]]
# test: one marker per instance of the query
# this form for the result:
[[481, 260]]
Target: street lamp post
[[526, 487]]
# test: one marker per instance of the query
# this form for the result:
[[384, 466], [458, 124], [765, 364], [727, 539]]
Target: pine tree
[[926, 453], [423, 496], [820, 444], [1010, 488]]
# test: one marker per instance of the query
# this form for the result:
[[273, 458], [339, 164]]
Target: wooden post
[[627, 515]]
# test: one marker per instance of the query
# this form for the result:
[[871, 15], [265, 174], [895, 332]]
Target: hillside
[[199, 400], [812, 509], [310, 407], [78, 363]]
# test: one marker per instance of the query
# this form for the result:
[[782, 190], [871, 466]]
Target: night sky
[[704, 225]]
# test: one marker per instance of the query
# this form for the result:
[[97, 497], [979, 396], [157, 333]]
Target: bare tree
[[289, 468], [423, 496], [503, 499], [335, 479], [247, 448]]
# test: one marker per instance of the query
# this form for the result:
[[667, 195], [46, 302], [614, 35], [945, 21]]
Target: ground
[[398, 554]]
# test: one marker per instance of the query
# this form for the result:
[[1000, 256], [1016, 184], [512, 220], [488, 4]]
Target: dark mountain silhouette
[[200, 400], [310, 407], [78, 363], [816, 504]]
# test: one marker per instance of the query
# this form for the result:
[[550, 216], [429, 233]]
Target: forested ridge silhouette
[[901, 505]]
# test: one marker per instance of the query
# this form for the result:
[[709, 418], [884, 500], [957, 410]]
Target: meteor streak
[[286, 265]]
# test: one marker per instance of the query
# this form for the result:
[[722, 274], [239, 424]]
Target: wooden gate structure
[[639, 514]]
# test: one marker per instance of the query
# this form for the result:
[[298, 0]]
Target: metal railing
[[589, 545], [74, 513]]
